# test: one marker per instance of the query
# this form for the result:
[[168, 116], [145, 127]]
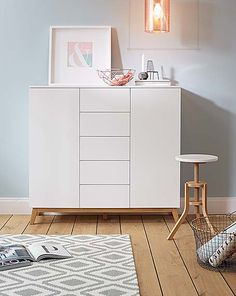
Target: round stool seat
[[196, 158]]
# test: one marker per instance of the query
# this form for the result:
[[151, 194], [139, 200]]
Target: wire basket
[[215, 238], [116, 77]]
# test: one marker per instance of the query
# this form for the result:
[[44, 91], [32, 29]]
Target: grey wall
[[207, 77]]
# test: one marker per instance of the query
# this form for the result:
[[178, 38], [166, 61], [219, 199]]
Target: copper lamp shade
[[157, 16]]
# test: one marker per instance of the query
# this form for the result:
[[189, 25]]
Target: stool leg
[[196, 198], [184, 214], [205, 210], [196, 190], [204, 201]]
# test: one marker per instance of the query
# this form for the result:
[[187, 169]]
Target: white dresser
[[104, 150]]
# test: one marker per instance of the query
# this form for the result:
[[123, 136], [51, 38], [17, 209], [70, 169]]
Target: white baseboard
[[15, 205]]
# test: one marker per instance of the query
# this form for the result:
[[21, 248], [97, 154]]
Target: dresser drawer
[[104, 124], [104, 172], [104, 196], [104, 100], [104, 148]]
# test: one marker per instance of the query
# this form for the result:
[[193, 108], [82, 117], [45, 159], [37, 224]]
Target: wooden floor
[[164, 267]]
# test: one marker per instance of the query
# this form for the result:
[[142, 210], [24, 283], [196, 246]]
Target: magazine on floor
[[16, 255]]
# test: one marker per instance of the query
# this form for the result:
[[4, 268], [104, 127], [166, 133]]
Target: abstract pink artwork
[[80, 54]]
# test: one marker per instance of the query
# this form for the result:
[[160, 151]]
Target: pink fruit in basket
[[122, 80], [116, 77]]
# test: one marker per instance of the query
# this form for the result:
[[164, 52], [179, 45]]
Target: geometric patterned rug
[[102, 265]]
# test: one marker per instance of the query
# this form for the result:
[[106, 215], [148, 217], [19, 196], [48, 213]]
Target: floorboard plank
[[207, 282], [16, 224], [4, 219], [62, 225], [230, 278], [85, 225], [111, 225], [41, 227], [167, 259], [147, 277]]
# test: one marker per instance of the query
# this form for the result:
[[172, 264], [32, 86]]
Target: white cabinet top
[[98, 86]]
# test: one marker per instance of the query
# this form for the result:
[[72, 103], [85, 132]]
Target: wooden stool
[[197, 186]]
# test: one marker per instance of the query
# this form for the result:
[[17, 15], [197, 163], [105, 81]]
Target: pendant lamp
[[157, 16]]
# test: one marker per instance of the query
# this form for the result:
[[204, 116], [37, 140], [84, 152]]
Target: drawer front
[[104, 124], [104, 100], [104, 172], [104, 196], [104, 148]]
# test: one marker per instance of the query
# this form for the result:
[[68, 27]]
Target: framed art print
[[76, 53]]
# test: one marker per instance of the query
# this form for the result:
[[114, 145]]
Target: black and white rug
[[101, 265]]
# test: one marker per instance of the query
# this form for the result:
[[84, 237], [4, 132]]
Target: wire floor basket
[[215, 238]]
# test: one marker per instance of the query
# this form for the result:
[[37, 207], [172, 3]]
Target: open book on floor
[[14, 255]]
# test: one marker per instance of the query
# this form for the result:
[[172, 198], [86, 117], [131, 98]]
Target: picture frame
[[76, 53]]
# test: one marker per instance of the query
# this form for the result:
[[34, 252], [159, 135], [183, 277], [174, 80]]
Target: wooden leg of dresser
[[34, 214], [175, 215]]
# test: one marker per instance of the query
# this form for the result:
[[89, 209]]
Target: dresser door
[[54, 120], [155, 141]]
